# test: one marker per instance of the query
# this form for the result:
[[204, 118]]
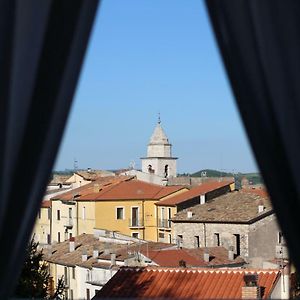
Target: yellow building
[[129, 208], [168, 207]]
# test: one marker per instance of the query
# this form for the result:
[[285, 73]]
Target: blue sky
[[145, 57]]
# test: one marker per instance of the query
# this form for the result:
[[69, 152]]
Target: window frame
[[123, 213]]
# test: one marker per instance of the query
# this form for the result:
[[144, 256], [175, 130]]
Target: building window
[[48, 239], [134, 216], [39, 213], [71, 295], [58, 215], [197, 241], [58, 237], [166, 171], [237, 244], [73, 273], [88, 296], [217, 239], [280, 238], [66, 276], [161, 235], [70, 235], [83, 213], [179, 240], [170, 238], [120, 213], [135, 235], [169, 217], [49, 213], [70, 213]]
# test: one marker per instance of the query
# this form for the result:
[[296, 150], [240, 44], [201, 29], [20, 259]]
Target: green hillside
[[254, 178]]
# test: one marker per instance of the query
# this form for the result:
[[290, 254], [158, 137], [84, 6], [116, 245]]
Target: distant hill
[[254, 178], [211, 173]]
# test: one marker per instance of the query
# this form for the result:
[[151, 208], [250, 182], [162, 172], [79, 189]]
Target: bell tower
[[159, 160]]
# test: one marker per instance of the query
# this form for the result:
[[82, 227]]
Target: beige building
[[42, 228], [73, 215]]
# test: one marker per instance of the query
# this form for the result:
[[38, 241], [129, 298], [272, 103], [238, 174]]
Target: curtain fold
[[42, 45], [260, 45]]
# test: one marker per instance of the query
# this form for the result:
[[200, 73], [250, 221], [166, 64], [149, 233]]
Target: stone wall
[[207, 235], [257, 241]]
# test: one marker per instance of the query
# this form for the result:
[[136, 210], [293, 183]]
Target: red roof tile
[[46, 204], [91, 190], [259, 192], [192, 257], [135, 189], [184, 283], [202, 189]]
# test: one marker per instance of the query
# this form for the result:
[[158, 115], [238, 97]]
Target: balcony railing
[[164, 223], [137, 223], [69, 223]]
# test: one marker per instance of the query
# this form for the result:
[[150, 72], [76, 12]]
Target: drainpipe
[[77, 231], [143, 211], [204, 232]]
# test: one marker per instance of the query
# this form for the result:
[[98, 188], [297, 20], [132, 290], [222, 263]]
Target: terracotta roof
[[133, 189], [183, 283], [59, 179], [90, 191], [192, 257], [195, 192], [46, 204], [233, 207]]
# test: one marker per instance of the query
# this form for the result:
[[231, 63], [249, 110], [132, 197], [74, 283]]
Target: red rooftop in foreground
[[183, 283]]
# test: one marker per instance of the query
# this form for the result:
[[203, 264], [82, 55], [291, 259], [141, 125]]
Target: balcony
[[136, 223], [164, 223], [69, 223]]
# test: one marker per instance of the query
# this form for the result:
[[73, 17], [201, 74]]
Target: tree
[[33, 281]]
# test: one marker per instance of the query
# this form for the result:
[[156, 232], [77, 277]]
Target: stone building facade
[[159, 160], [237, 223]]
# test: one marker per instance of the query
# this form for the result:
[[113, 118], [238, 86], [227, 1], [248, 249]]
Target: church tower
[[159, 160]]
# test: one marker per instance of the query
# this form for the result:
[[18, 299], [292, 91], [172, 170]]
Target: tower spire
[[159, 121]]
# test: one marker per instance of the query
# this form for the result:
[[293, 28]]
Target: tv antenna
[[75, 164]]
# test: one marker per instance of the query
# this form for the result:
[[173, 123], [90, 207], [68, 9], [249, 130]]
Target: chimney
[[206, 257], [251, 290], [261, 208], [72, 244], [182, 263], [189, 214], [84, 255], [230, 255], [113, 259], [95, 253], [202, 199], [96, 187]]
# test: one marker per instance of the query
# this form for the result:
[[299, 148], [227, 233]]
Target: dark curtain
[[260, 45], [42, 45]]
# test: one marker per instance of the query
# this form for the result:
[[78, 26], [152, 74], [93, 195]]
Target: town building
[[73, 212], [242, 222], [167, 208], [42, 228], [119, 203], [191, 283]]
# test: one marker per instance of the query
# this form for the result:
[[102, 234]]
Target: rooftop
[[201, 189], [192, 257], [149, 283], [91, 190], [94, 174], [132, 190], [233, 207]]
